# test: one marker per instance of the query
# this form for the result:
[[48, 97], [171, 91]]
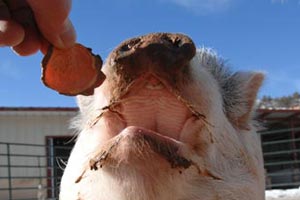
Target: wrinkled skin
[[168, 123]]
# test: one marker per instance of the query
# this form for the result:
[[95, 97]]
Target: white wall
[[30, 126]]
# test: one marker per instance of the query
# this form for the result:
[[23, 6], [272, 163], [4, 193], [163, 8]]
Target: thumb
[[53, 22]]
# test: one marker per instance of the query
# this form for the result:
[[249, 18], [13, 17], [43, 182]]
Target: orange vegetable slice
[[72, 71]]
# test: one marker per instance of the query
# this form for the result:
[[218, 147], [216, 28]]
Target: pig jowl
[[169, 122]]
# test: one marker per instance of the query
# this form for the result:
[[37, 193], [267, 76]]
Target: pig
[[169, 122]]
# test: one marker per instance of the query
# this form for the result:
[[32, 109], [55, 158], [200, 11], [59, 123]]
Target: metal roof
[[271, 116], [72, 109], [32, 111]]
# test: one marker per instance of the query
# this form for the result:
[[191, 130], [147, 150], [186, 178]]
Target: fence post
[[9, 172]]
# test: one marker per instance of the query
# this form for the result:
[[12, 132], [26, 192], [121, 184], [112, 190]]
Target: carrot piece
[[72, 71]]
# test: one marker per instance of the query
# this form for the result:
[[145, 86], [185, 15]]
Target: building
[[35, 144], [280, 137]]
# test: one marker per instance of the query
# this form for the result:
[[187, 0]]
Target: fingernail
[[68, 37]]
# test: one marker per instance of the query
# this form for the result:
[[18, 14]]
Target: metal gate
[[281, 151], [31, 171]]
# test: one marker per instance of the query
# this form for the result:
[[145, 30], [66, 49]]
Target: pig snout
[[164, 51]]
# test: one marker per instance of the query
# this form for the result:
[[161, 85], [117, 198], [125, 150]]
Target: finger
[[22, 13], [52, 20], [11, 33], [30, 45], [44, 46]]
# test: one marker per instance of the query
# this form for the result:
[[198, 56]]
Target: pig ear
[[249, 84]]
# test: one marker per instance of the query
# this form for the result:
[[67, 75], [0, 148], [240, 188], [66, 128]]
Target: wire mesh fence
[[33, 172]]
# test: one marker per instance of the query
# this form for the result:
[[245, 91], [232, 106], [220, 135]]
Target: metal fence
[[30, 171], [33, 172], [281, 151]]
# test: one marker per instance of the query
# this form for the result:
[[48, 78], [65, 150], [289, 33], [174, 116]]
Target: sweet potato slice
[[72, 71]]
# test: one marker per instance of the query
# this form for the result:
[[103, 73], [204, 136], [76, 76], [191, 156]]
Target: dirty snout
[[159, 53]]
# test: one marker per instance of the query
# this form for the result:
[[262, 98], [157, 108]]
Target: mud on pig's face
[[166, 106]]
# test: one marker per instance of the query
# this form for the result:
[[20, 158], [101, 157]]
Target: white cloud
[[280, 1], [280, 82], [203, 6], [285, 1]]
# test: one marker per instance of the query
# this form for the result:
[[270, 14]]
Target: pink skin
[[157, 131], [29, 26]]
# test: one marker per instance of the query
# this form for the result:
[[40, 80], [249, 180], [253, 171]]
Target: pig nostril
[[175, 42], [167, 39], [128, 46], [164, 48]]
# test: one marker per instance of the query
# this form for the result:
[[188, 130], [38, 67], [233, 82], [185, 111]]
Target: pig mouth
[[139, 142]]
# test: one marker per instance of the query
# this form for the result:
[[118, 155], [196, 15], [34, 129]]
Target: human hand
[[29, 26]]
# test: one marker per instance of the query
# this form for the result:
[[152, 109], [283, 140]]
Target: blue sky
[[261, 35]]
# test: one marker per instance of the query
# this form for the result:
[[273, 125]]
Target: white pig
[[169, 123]]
